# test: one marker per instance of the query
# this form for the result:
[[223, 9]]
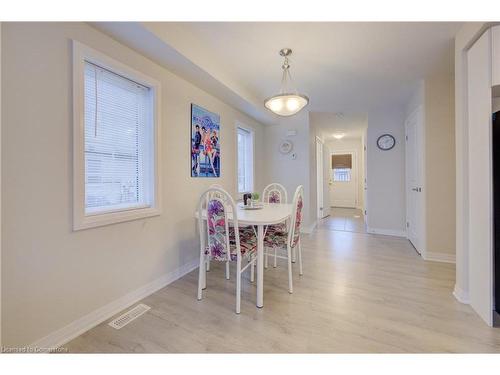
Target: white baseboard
[[386, 232], [461, 295], [79, 326], [439, 257]]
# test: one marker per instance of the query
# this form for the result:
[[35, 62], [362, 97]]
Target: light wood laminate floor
[[359, 293], [347, 219]]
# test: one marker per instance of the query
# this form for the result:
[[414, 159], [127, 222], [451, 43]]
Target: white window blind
[[342, 174], [118, 142], [245, 160]]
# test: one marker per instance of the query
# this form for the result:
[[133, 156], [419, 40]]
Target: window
[[116, 133], [341, 167], [342, 174], [245, 160]]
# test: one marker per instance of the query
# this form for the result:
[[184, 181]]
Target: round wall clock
[[286, 147], [386, 142]]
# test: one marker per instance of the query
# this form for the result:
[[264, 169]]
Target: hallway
[[344, 219]]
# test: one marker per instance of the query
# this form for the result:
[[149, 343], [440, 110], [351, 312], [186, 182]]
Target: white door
[[319, 178], [343, 183], [414, 199]]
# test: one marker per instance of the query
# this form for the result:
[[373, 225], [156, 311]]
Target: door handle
[[415, 189]]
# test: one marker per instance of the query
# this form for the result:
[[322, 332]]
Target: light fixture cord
[[285, 77]]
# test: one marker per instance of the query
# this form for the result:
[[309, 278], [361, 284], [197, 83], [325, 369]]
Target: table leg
[[260, 266]]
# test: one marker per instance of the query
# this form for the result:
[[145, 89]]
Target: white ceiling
[[328, 124], [342, 67]]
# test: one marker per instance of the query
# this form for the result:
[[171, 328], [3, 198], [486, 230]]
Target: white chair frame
[[214, 186], [281, 190], [299, 193], [227, 201]]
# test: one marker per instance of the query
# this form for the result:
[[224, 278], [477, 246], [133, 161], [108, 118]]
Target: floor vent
[[130, 315]]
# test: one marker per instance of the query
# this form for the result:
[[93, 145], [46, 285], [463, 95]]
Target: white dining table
[[269, 214]]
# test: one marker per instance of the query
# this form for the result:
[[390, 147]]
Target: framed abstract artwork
[[205, 143]]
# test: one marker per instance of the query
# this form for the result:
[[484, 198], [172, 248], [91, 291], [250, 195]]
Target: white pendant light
[[288, 102]]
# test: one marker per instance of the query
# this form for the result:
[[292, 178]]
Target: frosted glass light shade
[[286, 104]]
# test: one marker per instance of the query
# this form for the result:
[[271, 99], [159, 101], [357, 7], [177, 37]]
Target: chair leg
[[252, 269], [208, 265], [289, 259], [227, 270], [265, 259], [238, 285], [294, 255], [201, 276], [275, 257], [300, 257]]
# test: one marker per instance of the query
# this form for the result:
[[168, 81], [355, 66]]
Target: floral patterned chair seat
[[277, 228], [275, 237], [248, 244]]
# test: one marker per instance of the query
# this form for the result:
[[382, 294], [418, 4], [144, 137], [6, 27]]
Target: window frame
[[252, 135], [81, 219]]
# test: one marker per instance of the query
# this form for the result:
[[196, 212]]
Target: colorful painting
[[205, 143]]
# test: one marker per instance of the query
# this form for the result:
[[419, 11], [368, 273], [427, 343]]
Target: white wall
[[287, 171], [350, 144], [464, 38], [326, 180], [435, 96], [53, 276], [440, 165], [386, 207]]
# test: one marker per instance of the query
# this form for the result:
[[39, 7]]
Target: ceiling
[[342, 67], [352, 126]]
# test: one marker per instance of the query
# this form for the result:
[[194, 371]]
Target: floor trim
[[461, 295], [439, 257], [386, 232], [79, 326]]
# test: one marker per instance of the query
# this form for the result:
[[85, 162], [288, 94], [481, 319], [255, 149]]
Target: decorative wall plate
[[286, 147]]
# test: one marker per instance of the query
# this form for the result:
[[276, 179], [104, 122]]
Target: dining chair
[[290, 240], [225, 240], [219, 187], [275, 193]]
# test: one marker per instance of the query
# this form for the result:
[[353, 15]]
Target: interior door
[[344, 186], [319, 178], [413, 183]]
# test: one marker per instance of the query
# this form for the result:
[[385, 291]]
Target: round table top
[[270, 213]]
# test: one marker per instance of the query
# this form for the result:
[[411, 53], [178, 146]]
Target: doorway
[[319, 179], [414, 180], [343, 179]]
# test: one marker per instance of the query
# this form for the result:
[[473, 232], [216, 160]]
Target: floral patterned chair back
[[218, 204], [274, 193], [294, 233]]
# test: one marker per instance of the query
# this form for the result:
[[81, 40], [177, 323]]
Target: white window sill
[[98, 220]]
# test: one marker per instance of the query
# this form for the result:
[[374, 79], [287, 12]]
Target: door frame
[[420, 246], [354, 154], [320, 199], [364, 151]]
